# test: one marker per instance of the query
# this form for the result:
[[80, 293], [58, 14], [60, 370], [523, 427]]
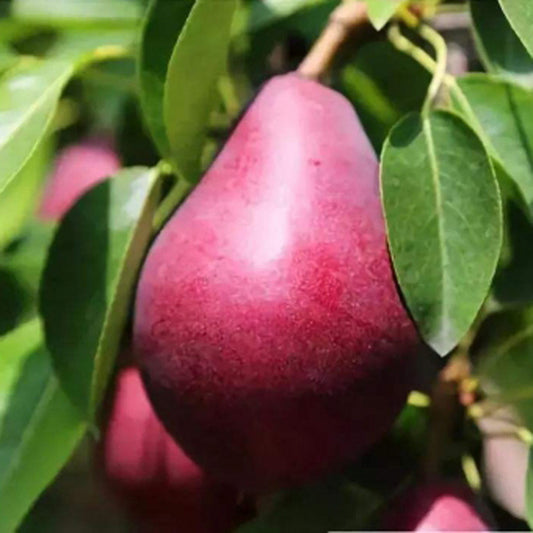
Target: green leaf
[[504, 55], [335, 504], [80, 11], [383, 84], [7, 58], [519, 13], [381, 11], [82, 46], [162, 26], [107, 93], [19, 199], [88, 280], [12, 29], [39, 427], [21, 265], [505, 354], [504, 112], [191, 93], [444, 221], [269, 11], [28, 99], [26, 256], [503, 351]]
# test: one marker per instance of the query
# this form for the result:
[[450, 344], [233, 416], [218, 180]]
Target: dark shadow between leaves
[[15, 301], [513, 282], [406, 131]]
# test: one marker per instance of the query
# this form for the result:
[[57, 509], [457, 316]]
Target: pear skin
[[268, 326]]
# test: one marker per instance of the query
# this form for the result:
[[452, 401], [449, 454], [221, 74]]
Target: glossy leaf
[[381, 11], [191, 93], [162, 26], [28, 99], [19, 199], [505, 352], [443, 215], [504, 55], [383, 84], [520, 16], [334, 505], [504, 112], [39, 427], [88, 279]]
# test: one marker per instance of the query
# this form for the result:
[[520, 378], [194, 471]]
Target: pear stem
[[344, 20]]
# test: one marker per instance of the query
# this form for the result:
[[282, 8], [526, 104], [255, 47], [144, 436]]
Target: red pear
[[271, 336], [162, 488], [436, 507], [77, 168]]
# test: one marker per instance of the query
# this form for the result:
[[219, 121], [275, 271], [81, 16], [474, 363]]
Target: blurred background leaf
[[81, 12], [81, 46], [504, 112], [7, 57], [504, 55], [504, 352], [520, 15], [19, 199], [28, 100], [39, 427], [335, 504]]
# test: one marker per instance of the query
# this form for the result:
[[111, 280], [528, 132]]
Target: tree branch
[[344, 20]]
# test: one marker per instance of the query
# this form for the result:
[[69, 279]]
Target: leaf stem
[[102, 53], [423, 58], [408, 47], [229, 95], [441, 51], [344, 20], [171, 200]]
